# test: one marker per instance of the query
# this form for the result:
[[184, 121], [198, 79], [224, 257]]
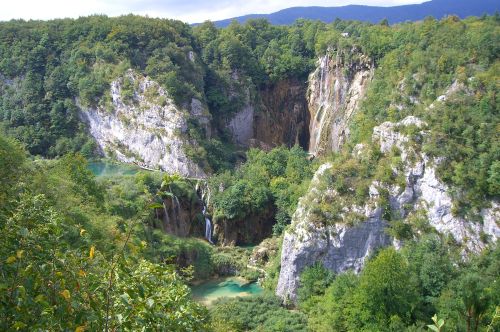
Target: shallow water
[[106, 168], [212, 290]]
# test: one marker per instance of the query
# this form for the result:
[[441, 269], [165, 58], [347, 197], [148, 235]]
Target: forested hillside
[[392, 217], [374, 14]]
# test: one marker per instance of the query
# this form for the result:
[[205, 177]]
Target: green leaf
[[125, 298], [433, 328]]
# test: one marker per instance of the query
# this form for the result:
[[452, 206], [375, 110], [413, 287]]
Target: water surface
[[212, 290], [108, 168]]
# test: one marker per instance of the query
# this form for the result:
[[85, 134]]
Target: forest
[[85, 253]]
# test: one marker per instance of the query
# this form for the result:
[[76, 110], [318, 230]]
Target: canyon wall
[[143, 126], [346, 245], [335, 91]]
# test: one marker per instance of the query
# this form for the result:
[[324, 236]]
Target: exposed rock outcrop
[[339, 247], [283, 117], [252, 229], [241, 125], [277, 116], [181, 217], [346, 245], [335, 91], [142, 125], [426, 192]]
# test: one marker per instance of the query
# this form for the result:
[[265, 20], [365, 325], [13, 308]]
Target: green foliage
[[438, 324], [326, 313], [154, 297], [313, 282], [45, 66], [385, 289], [399, 291], [70, 262], [256, 313], [12, 160], [469, 302], [414, 68], [268, 179]]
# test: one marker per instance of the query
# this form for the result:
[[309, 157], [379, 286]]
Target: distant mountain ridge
[[396, 14]]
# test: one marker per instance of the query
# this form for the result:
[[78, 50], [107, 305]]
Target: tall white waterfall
[[208, 226]]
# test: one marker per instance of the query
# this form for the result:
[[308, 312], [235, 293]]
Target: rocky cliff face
[[142, 125], [277, 115], [283, 117], [338, 247], [252, 229], [335, 90], [181, 217], [346, 245], [316, 116]]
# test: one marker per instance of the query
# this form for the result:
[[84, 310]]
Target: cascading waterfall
[[202, 190], [208, 226]]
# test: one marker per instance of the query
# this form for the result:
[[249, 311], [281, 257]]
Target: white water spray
[[208, 226]]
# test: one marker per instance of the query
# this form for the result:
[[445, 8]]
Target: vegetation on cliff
[[79, 253]]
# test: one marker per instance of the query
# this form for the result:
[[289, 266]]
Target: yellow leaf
[[82, 231], [59, 274], [80, 329], [11, 259], [65, 293], [91, 253], [20, 253], [40, 298], [82, 273]]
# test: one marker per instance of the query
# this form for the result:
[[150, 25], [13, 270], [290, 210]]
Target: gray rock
[[147, 130], [335, 91], [343, 246], [338, 247]]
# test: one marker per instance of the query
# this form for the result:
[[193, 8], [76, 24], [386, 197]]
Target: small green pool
[[212, 290], [107, 168]]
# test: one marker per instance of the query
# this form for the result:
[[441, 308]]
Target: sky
[[191, 11]]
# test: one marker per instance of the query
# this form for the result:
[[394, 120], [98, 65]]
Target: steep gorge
[[314, 114]]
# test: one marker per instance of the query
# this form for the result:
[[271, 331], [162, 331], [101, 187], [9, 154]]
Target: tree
[[385, 290], [12, 159], [314, 281]]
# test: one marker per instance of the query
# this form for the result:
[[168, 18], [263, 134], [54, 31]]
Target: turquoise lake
[[212, 290], [107, 168]]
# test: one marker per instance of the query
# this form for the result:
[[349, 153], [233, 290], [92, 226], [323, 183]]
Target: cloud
[[186, 10]]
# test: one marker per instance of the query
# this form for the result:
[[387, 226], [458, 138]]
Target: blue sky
[[185, 10]]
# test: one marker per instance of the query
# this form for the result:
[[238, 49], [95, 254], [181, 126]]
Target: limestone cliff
[[142, 125], [283, 117], [347, 244], [181, 217], [338, 247], [277, 115], [252, 229], [335, 91]]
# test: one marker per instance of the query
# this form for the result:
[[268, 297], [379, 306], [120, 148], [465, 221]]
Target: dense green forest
[[84, 253]]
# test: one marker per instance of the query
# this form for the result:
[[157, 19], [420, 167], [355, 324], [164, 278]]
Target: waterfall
[[322, 70], [204, 194], [208, 226]]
